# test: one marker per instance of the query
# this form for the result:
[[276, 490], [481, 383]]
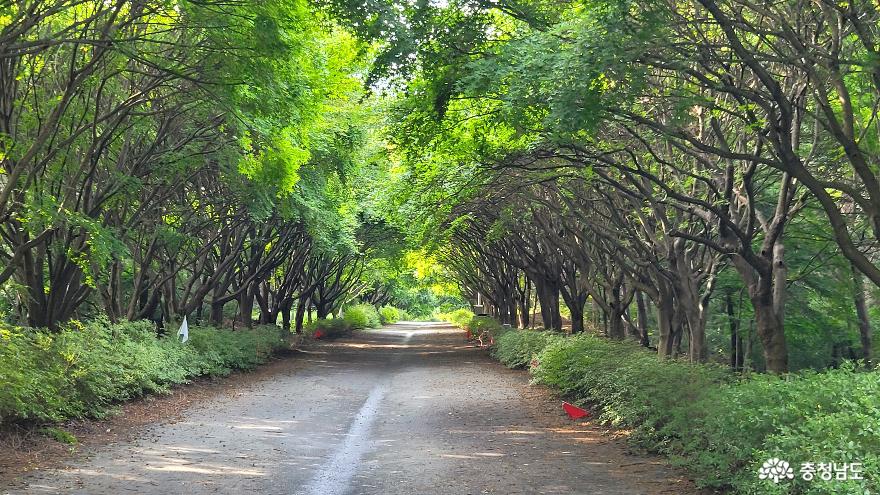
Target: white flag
[[183, 333]]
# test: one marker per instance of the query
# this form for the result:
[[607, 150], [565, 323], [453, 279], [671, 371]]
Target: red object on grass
[[318, 334], [574, 412]]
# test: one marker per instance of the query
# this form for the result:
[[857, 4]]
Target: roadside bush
[[480, 324], [825, 417], [362, 316], [719, 426], [459, 317], [223, 351], [330, 328], [390, 314], [516, 349], [87, 367], [354, 318]]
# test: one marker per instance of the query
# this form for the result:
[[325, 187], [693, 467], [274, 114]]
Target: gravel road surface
[[408, 409]]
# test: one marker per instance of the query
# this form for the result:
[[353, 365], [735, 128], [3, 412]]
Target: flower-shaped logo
[[776, 470]]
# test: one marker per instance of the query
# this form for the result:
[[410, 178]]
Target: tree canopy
[[713, 160], [700, 176]]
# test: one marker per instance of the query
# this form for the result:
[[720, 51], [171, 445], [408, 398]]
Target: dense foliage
[[390, 314], [700, 176], [460, 317], [518, 349], [86, 368], [329, 328], [484, 326], [362, 316], [355, 317], [216, 160], [719, 426]]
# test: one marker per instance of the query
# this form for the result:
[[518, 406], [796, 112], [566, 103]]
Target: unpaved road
[[410, 409]]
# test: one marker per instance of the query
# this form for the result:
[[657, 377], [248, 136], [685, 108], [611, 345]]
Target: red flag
[[574, 412]]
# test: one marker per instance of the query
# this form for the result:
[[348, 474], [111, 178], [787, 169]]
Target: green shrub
[[721, 427], [516, 349], [85, 368], [389, 314], [459, 317], [831, 416], [331, 328], [225, 350], [362, 316], [355, 318], [59, 435], [480, 324]]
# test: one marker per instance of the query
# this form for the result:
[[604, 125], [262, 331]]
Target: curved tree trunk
[[642, 308], [301, 313], [246, 307], [862, 313]]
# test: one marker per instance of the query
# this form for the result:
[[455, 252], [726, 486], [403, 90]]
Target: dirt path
[[409, 409]]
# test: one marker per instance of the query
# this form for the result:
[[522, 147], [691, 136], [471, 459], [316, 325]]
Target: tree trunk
[[577, 317], [665, 318], [767, 288], [862, 314], [524, 313], [267, 315], [321, 311], [549, 297], [698, 350], [285, 315], [546, 318], [616, 328], [575, 303], [523, 300], [556, 316], [642, 308], [511, 310], [772, 334], [689, 301], [246, 307], [735, 339], [300, 313], [217, 313], [768, 300]]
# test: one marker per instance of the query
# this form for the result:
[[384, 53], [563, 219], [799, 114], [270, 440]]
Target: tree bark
[[301, 312], [549, 297], [771, 332], [217, 313], [665, 319], [862, 313], [577, 316], [616, 328], [246, 307], [642, 308]]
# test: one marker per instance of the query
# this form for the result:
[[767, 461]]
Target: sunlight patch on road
[[123, 477], [206, 469]]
